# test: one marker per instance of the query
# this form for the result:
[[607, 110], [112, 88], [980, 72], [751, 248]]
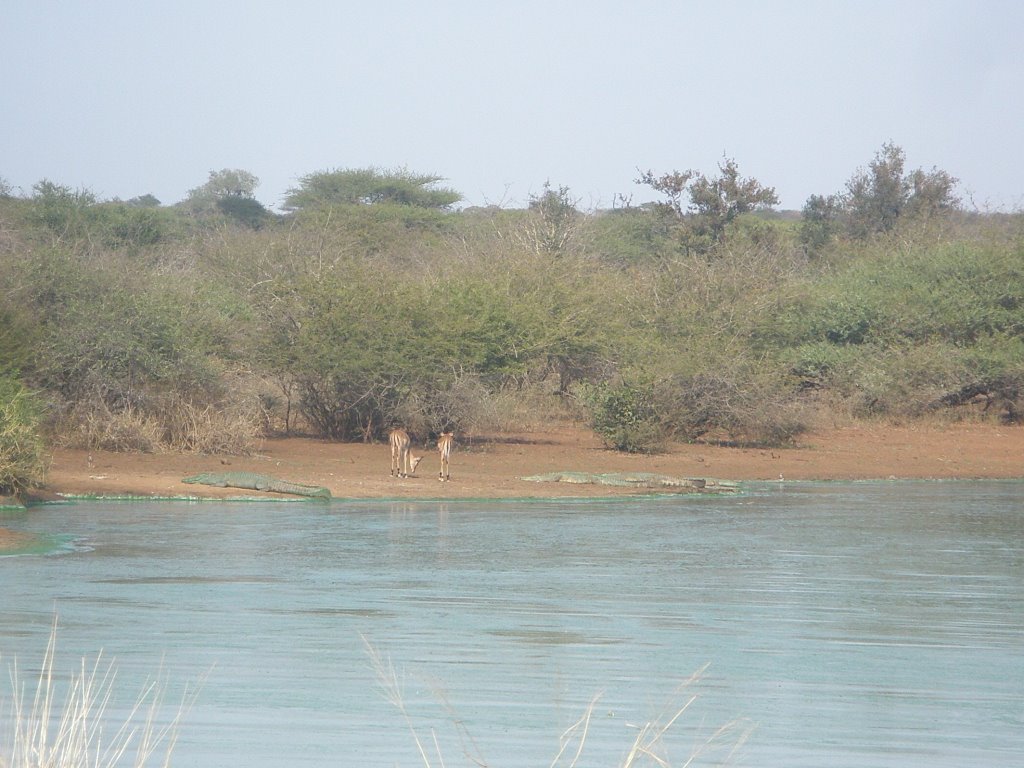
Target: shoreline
[[493, 467]]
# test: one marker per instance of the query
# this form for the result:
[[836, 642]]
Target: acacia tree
[[232, 192], [227, 182], [367, 186]]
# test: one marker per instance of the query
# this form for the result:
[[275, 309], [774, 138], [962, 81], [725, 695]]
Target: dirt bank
[[493, 467]]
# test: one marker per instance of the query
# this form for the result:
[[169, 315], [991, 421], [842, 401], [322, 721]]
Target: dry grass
[[650, 747], [50, 731], [209, 429], [175, 424]]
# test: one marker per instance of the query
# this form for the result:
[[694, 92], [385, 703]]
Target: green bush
[[77, 215], [818, 364], [22, 453], [906, 381], [993, 372], [15, 342], [624, 417], [956, 293], [112, 333], [368, 308]]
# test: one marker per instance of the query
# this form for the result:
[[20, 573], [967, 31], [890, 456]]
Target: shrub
[[93, 426], [168, 422], [818, 364], [624, 416], [231, 427], [993, 375], [22, 454], [15, 342], [735, 402]]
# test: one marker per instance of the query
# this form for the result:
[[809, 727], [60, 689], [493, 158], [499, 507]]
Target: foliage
[[15, 341], [76, 215], [739, 402], [224, 183], [124, 356], [704, 317], [367, 186], [714, 203], [554, 222], [821, 222], [231, 193], [108, 334], [144, 201], [717, 202], [631, 236], [370, 230], [364, 345], [625, 417], [244, 210], [22, 453], [61, 210], [957, 293], [992, 374], [879, 198], [123, 225]]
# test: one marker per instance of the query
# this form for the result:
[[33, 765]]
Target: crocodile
[[637, 480], [257, 482]]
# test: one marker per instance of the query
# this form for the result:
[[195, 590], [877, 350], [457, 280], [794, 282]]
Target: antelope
[[402, 460], [444, 447]]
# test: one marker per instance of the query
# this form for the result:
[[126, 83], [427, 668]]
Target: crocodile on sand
[[256, 482], [637, 480]]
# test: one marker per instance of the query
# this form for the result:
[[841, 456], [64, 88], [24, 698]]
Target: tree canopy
[[232, 193], [366, 186], [714, 203], [228, 182], [203, 324], [877, 198]]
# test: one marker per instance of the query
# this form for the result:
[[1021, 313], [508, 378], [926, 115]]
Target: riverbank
[[494, 466]]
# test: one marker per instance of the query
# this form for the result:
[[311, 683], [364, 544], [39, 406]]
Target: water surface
[[850, 624]]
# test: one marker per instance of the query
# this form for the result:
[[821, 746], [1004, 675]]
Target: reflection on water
[[854, 624]]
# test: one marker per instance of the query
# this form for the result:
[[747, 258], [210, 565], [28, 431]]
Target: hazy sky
[[133, 97]]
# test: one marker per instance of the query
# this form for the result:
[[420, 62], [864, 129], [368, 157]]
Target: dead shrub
[[224, 428], [170, 423], [531, 407], [755, 407], [93, 426], [457, 407], [469, 406]]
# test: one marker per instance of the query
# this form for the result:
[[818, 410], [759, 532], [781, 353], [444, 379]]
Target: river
[[838, 624]]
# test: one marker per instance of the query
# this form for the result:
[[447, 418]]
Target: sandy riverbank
[[493, 467]]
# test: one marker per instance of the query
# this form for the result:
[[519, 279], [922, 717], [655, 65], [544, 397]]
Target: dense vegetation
[[201, 325]]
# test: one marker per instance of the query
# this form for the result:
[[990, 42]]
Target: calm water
[[877, 624]]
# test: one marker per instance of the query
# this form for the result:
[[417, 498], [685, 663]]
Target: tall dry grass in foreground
[[649, 747], [50, 729]]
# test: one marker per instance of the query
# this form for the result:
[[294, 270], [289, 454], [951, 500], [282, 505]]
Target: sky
[[126, 98]]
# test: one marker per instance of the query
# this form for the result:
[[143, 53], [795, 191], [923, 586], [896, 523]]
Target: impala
[[402, 460], [444, 447]]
